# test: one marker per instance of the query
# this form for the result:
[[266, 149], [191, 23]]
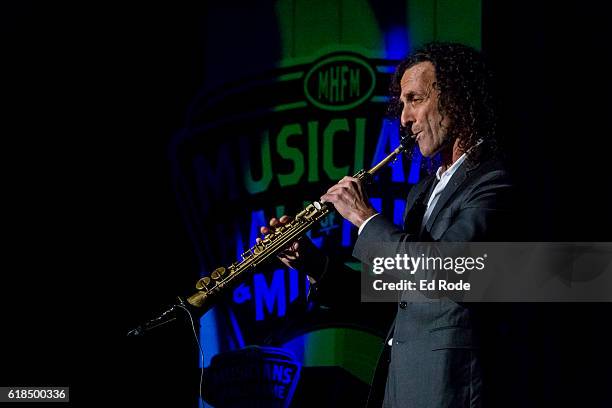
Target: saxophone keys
[[217, 273], [202, 283], [258, 249]]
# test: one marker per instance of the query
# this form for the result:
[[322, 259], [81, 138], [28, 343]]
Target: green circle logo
[[339, 82]]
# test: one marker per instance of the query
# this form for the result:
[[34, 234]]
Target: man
[[443, 97]]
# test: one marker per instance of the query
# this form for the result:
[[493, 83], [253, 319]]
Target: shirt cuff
[[364, 223]]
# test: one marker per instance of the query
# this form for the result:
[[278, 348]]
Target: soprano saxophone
[[223, 279]]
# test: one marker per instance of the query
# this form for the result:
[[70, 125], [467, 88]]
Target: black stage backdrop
[[91, 95]]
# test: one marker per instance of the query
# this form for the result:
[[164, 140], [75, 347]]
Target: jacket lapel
[[453, 184], [415, 203]]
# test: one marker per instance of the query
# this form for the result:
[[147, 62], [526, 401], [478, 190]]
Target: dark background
[[91, 95]]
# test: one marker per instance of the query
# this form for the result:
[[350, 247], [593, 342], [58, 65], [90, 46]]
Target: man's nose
[[407, 117]]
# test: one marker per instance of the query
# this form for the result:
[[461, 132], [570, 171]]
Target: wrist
[[364, 216]]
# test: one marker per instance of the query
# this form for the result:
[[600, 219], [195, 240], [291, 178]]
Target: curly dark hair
[[466, 93]]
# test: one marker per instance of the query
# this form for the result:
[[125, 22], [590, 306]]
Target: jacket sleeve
[[482, 215], [333, 283]]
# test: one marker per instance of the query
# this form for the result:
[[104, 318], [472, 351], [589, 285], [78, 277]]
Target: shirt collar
[[452, 169]]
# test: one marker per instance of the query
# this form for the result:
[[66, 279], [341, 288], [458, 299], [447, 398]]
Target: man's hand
[[294, 255], [350, 200]]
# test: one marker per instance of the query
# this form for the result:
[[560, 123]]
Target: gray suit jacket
[[435, 357]]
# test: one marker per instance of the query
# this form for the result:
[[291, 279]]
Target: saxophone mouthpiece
[[407, 139]]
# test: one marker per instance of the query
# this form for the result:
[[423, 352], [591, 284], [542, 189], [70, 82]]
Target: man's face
[[420, 108]]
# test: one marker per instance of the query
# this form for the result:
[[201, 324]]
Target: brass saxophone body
[[223, 279]]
